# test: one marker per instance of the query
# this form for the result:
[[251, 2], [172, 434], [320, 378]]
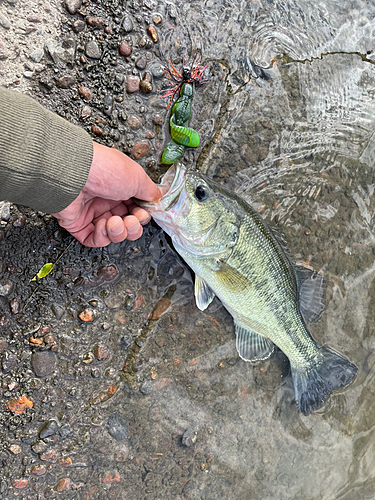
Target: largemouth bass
[[245, 263]]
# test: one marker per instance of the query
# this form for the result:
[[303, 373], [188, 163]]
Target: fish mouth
[[171, 185]]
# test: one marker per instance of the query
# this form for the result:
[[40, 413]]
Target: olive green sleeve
[[44, 159]]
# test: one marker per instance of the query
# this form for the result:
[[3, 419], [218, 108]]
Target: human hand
[[105, 210]]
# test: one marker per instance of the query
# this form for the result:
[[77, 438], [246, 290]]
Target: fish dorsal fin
[[311, 293], [251, 346], [231, 278], [203, 293]]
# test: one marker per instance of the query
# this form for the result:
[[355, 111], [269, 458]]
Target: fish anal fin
[[203, 293], [311, 293], [251, 346]]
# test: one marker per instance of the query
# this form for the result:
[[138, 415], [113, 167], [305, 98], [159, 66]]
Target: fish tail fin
[[326, 373]]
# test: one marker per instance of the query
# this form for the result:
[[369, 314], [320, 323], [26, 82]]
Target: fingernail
[[133, 229], [143, 222], [118, 229]]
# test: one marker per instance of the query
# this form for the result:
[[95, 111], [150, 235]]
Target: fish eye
[[201, 193]]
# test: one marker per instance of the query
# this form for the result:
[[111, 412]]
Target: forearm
[[44, 160]]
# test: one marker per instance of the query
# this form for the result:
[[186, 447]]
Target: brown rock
[[48, 455], [33, 18], [86, 315], [15, 449], [108, 30], [132, 84], [85, 112], [101, 352], [65, 461], [141, 63], [107, 273], [97, 130], [64, 82], [95, 22], [157, 120], [15, 305], [78, 25], [73, 6], [125, 49], [140, 149], [152, 33], [19, 405], [85, 92], [112, 478], [20, 484], [63, 484], [134, 122], [38, 470]]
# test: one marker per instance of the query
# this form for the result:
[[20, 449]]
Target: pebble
[[85, 92], [152, 33], [141, 63], [85, 112], [5, 289], [33, 18], [157, 70], [97, 130], [134, 122], [37, 55], [39, 447], [38, 470], [108, 105], [63, 484], [28, 74], [65, 430], [121, 455], [189, 437], [101, 352], [5, 211], [118, 427], [86, 315], [147, 387], [3, 52], [125, 49], [156, 18], [95, 22], [4, 22], [142, 42], [127, 24], [157, 120], [73, 6], [140, 149], [15, 449], [43, 363], [58, 311], [92, 50], [14, 305], [49, 429], [60, 51], [20, 484], [48, 455], [78, 25], [132, 84], [107, 273], [64, 82], [20, 221]]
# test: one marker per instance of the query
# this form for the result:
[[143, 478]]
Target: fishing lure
[[181, 135]]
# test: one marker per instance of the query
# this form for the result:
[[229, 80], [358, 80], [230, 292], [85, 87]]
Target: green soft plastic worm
[[182, 135]]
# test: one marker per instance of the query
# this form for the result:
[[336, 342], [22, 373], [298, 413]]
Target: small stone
[[49, 429], [5, 211], [33, 18], [19, 405], [107, 273], [127, 24], [157, 70], [108, 105], [140, 149], [189, 437], [141, 63], [58, 311], [134, 122], [4, 22], [9, 362], [15, 449], [38, 470], [145, 87], [15, 305], [86, 315], [73, 6], [37, 55], [65, 430], [3, 52], [118, 427], [97, 130], [64, 82], [78, 25], [20, 484], [85, 112], [85, 92], [132, 84], [101, 352], [112, 478], [43, 363], [125, 50], [156, 18], [92, 50], [48, 455], [4, 345], [5, 289], [63, 484], [157, 120], [39, 447], [95, 22], [152, 33], [108, 30], [147, 387], [161, 307], [20, 221], [142, 42], [28, 74]]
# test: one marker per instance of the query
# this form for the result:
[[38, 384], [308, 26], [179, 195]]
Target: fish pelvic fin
[[326, 373], [203, 293], [251, 346], [311, 293]]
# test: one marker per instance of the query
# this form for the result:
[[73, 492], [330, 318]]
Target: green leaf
[[43, 271]]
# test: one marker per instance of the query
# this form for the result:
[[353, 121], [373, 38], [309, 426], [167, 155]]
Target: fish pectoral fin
[[311, 293], [203, 293], [251, 346], [231, 278]]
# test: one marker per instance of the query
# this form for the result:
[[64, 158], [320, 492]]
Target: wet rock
[[48, 455], [142, 42], [108, 105], [189, 437], [95, 22], [64, 82], [125, 50], [63, 484], [118, 427], [4, 22], [38, 470], [5, 211], [132, 84], [20, 484], [5, 288], [65, 430], [73, 6], [92, 50], [48, 429], [85, 112], [127, 24], [14, 305], [157, 120], [37, 55], [140, 149], [156, 18], [61, 51], [58, 311], [134, 122], [101, 352], [43, 363], [97, 130], [107, 273], [39, 447], [141, 63], [85, 92], [147, 387], [86, 315], [156, 70], [151, 30], [78, 25], [15, 449], [3, 52], [20, 221]]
